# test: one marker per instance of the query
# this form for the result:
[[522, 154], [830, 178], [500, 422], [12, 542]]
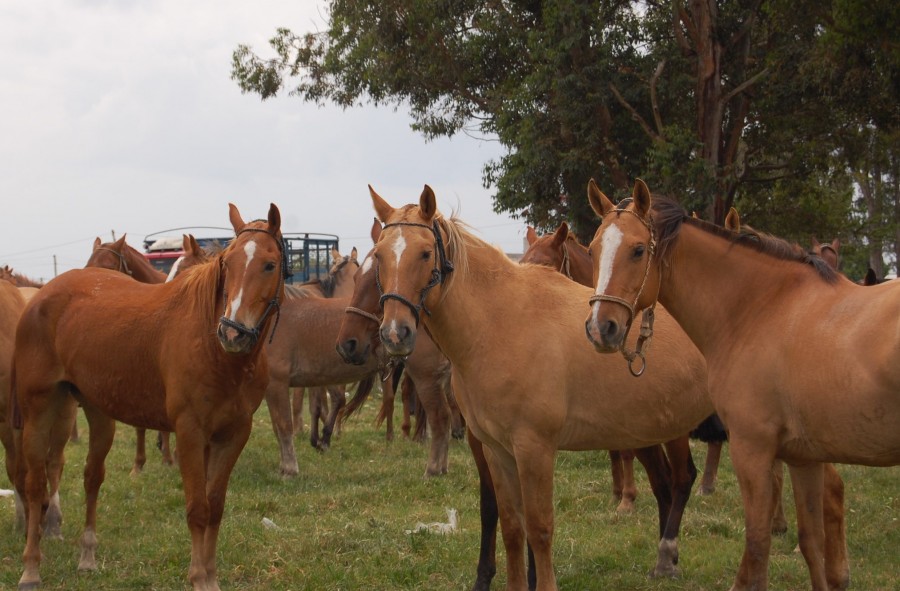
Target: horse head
[[626, 274], [410, 267], [358, 335], [253, 280]]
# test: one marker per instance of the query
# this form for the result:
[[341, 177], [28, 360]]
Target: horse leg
[[837, 562], [659, 473], [487, 555], [711, 468], [223, 454], [386, 412], [457, 420], [140, 451], [317, 411], [406, 397], [297, 409], [535, 464], [434, 402], [338, 400], [279, 403], [683, 473], [59, 437], [165, 446], [753, 467], [627, 491], [101, 432], [808, 481], [779, 522], [502, 469], [192, 445], [47, 408]]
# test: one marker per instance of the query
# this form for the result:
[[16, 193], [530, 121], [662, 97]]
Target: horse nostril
[[609, 328]]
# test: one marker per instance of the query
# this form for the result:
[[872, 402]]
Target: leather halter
[[123, 264], [438, 274], [253, 332], [648, 315]]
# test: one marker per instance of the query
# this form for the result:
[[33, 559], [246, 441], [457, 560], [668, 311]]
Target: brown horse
[[192, 351], [426, 367], [122, 257], [11, 305], [762, 311], [523, 378]]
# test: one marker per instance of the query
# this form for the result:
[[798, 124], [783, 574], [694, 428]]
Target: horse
[[120, 256], [17, 279], [12, 302], [301, 354], [562, 251], [827, 252], [522, 376], [762, 312], [337, 283], [192, 351], [427, 368]]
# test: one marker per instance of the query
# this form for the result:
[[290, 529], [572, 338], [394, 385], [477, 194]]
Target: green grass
[[343, 521]]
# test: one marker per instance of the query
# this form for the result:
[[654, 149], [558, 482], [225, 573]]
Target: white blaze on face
[[398, 248], [612, 240], [249, 250], [367, 265], [174, 270]]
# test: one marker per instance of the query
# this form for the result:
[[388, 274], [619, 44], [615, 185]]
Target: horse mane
[[669, 217], [198, 289], [299, 291], [459, 238], [18, 279]]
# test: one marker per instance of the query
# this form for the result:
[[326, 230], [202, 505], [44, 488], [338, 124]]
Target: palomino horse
[[762, 311], [192, 351], [522, 376], [426, 367], [122, 257]]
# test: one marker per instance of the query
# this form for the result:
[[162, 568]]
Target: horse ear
[[376, 230], [641, 197], [871, 278], [274, 220], [428, 203], [353, 253], [195, 246], [733, 221], [234, 216], [97, 243], [562, 232], [186, 243], [382, 209], [600, 203], [120, 243], [335, 253], [530, 235], [815, 243], [836, 244]]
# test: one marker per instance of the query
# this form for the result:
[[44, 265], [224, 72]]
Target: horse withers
[[192, 351]]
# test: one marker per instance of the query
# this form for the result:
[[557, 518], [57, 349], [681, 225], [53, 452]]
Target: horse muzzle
[[398, 339], [606, 335], [236, 341], [352, 353]]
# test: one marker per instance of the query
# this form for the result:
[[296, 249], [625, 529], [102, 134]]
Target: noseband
[[648, 315], [123, 264], [438, 274], [254, 332]]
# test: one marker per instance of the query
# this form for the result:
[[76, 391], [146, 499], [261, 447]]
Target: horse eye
[[426, 255], [270, 266], [638, 251]]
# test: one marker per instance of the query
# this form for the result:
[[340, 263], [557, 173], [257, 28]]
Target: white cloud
[[123, 117]]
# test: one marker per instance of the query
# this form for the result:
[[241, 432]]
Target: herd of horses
[[738, 321]]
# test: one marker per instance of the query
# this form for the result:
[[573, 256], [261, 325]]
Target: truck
[[309, 254]]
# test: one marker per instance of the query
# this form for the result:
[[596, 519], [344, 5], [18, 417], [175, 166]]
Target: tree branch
[[744, 85], [654, 101], [634, 114]]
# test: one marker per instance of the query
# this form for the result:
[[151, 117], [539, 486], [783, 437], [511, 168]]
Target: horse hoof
[[625, 507], [30, 584]]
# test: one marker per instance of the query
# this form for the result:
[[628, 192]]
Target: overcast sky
[[121, 116]]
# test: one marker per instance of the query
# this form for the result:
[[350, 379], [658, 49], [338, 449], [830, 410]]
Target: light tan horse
[[192, 351], [763, 312], [523, 377]]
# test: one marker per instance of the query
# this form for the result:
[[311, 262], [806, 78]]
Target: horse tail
[[711, 430], [363, 389]]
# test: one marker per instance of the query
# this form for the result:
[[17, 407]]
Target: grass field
[[342, 524]]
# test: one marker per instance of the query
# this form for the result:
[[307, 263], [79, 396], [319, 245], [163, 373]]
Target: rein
[[123, 264], [438, 273], [648, 315], [254, 332]]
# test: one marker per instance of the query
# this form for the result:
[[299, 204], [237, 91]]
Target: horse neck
[[141, 269], [580, 267], [712, 286], [344, 285]]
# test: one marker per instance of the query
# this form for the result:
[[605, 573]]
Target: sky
[[120, 118]]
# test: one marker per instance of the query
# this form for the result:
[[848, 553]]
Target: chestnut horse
[[122, 257], [192, 351], [12, 302], [522, 376], [426, 367], [762, 311]]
